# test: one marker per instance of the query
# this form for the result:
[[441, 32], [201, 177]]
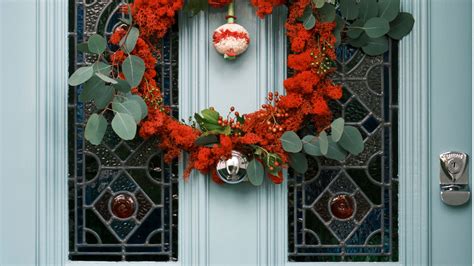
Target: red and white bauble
[[231, 40]]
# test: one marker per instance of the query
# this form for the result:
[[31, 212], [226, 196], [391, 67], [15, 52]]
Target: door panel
[[450, 117]]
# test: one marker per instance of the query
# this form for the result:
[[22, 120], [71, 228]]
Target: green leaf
[[125, 20], [102, 67], [327, 13], [337, 128], [368, 9], [106, 78], [133, 68], [95, 129], [401, 26], [206, 140], [311, 145], [308, 11], [103, 96], [309, 22], [389, 9], [323, 142], [131, 40], [90, 89], [349, 9], [210, 115], [83, 47], [356, 29], [124, 125], [122, 85], [81, 75], [340, 24], [141, 103], [376, 27], [291, 142], [376, 46], [319, 3], [298, 162], [360, 42], [335, 152], [351, 140], [96, 44], [128, 107], [255, 172]]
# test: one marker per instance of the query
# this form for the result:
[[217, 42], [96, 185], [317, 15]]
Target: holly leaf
[[206, 140], [291, 142], [255, 172]]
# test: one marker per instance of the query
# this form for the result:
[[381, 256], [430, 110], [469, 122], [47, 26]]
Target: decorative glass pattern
[[123, 199], [348, 211]]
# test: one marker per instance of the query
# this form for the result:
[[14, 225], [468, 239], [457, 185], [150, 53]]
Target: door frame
[[51, 153]]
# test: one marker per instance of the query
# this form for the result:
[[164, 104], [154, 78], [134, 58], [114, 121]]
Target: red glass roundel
[[342, 206], [123, 205]]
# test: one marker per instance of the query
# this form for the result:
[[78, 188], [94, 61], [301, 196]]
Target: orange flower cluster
[[307, 91], [155, 17]]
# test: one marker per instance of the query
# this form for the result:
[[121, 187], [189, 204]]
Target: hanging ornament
[[231, 39]]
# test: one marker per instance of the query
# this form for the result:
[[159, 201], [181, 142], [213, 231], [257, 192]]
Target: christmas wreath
[[122, 82]]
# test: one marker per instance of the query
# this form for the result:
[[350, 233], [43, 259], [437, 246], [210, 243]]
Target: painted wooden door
[[230, 225]]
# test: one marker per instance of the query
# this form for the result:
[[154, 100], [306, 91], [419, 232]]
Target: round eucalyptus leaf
[[376, 46], [376, 27], [291, 142], [83, 47], [103, 96], [141, 102], [81, 75], [389, 9], [298, 162], [351, 140], [337, 128], [106, 78], [359, 42], [311, 145], [128, 107], [96, 44], [102, 67], [323, 142], [327, 13], [309, 22], [349, 9], [95, 129], [255, 172], [308, 11], [133, 68], [122, 85], [131, 40], [356, 29], [368, 9], [90, 89], [124, 126], [335, 152], [401, 26], [319, 3], [340, 23]]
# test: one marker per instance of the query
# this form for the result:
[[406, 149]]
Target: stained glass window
[[123, 199], [348, 211]]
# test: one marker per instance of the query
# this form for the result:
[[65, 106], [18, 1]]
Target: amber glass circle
[[342, 206], [123, 205]]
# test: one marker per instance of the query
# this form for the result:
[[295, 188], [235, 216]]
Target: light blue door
[[222, 224]]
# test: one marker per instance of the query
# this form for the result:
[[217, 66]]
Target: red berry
[[276, 163], [271, 168], [232, 108], [237, 114]]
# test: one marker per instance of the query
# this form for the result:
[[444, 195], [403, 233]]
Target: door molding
[[51, 128]]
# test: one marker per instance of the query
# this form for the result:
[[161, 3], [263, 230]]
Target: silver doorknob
[[454, 178]]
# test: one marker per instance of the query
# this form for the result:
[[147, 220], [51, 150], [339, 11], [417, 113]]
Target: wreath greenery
[[122, 83]]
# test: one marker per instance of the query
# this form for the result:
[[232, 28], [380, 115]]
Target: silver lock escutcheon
[[454, 178]]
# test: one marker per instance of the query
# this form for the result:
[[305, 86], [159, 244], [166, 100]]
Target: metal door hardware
[[454, 178]]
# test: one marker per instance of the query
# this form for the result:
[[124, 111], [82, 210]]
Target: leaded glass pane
[[348, 211], [123, 199]]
